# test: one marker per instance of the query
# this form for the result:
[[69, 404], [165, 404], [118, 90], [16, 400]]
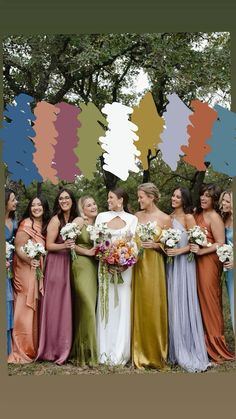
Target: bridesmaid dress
[[149, 302], [84, 296], [56, 311], [186, 336], [114, 338], [230, 276], [209, 270], [9, 237], [26, 300]]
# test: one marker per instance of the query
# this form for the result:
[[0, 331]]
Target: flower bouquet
[[225, 253], [196, 235], [147, 231], [9, 249], [170, 238], [34, 251], [70, 231]]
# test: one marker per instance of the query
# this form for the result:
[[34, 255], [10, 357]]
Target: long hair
[[186, 199], [8, 193], [45, 216], [58, 211], [121, 193], [214, 192], [225, 215]]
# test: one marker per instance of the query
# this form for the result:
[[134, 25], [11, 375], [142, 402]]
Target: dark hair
[[58, 211], [8, 193], [214, 192], [121, 193], [45, 216], [186, 199]]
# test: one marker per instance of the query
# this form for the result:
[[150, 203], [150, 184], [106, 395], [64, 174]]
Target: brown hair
[[214, 192]]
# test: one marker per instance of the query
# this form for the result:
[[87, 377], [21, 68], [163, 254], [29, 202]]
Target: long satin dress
[[56, 309], [84, 296], [186, 336], [26, 299], [209, 270], [9, 236], [114, 338], [149, 308], [230, 276]]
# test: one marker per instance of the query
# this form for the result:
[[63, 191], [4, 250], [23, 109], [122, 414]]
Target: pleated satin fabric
[[209, 270], [26, 298]]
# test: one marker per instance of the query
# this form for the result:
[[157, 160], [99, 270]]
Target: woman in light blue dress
[[226, 207], [186, 336], [10, 229]]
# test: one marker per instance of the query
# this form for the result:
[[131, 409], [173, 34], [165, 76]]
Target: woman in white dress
[[113, 337]]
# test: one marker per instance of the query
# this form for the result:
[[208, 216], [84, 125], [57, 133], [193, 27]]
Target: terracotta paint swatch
[[199, 132], [45, 140]]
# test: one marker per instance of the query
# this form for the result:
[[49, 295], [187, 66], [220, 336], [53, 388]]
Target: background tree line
[[101, 68]]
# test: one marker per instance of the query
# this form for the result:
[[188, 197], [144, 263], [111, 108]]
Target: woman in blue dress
[[226, 207], [186, 336], [10, 229]]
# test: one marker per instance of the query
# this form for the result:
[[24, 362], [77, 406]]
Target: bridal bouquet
[[9, 248], [170, 238], [147, 231], [196, 235], [70, 231], [225, 253], [99, 234], [34, 251]]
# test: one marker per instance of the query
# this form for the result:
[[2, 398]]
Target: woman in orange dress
[[26, 287], [209, 270]]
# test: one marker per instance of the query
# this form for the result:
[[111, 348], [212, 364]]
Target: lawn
[[49, 368]]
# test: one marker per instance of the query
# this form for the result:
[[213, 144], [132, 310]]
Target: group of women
[[167, 313]]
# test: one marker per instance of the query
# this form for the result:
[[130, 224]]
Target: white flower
[[70, 231], [9, 248], [33, 250]]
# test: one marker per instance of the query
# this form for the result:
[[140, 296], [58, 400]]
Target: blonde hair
[[150, 190], [230, 193], [81, 203]]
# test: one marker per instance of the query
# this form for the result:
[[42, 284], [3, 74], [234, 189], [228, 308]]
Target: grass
[[49, 368]]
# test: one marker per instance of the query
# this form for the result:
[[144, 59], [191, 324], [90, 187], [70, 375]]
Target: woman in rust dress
[[209, 270], [26, 287]]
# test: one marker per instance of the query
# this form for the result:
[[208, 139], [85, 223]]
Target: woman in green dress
[[149, 299], [84, 289]]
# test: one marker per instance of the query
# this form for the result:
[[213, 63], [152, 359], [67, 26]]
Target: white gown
[[113, 339]]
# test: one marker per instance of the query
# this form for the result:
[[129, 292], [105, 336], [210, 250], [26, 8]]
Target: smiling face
[[36, 208], [176, 199], [90, 208], [145, 200], [206, 201], [11, 203], [226, 203], [65, 201], [114, 203]]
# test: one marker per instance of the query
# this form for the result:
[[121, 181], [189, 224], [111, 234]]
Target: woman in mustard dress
[[84, 289], [149, 301], [27, 288]]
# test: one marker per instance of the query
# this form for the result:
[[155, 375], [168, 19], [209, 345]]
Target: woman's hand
[[150, 245], [194, 248], [34, 263], [91, 252], [228, 265], [69, 244], [172, 252]]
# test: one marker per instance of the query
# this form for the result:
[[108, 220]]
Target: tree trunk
[[110, 180], [39, 188], [197, 183]]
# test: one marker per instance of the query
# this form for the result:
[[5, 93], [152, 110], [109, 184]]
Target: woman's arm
[[218, 232], [52, 233]]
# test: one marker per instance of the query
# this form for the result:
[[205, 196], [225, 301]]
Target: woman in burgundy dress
[[56, 311], [209, 270]]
